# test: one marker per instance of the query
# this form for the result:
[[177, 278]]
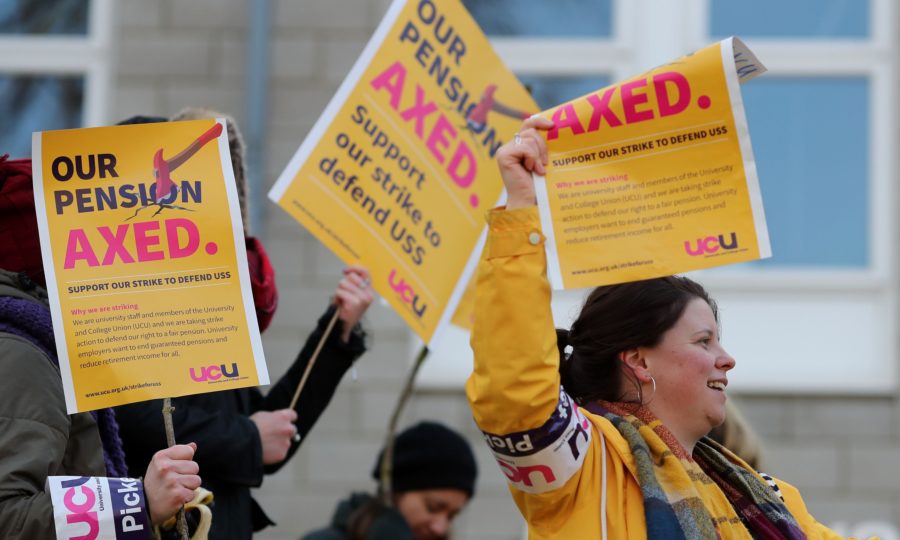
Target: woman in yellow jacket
[[610, 444]]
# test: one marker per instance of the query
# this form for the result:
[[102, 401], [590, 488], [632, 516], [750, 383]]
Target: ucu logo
[[79, 500], [406, 293], [213, 373], [710, 245], [526, 474]]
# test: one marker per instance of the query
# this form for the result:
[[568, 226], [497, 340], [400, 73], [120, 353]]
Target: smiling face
[[690, 368], [429, 512]]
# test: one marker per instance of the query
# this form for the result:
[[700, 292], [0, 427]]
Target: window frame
[[88, 56]]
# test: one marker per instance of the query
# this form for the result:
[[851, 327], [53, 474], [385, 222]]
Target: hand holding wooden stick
[[352, 297]]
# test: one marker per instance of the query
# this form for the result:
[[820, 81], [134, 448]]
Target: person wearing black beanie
[[433, 477]]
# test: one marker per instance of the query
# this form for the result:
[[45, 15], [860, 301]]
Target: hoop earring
[[653, 382]]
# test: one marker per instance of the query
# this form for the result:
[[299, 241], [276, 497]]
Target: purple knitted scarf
[[31, 320]]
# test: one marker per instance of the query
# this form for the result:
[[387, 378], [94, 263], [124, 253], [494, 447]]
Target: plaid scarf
[[709, 495]]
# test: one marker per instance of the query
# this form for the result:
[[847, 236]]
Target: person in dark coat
[[38, 438], [242, 433], [433, 477]]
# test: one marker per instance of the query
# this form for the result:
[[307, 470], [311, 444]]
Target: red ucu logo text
[[213, 373], [711, 244], [79, 501], [406, 293], [523, 474]]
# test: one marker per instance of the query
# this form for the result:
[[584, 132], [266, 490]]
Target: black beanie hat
[[431, 456]]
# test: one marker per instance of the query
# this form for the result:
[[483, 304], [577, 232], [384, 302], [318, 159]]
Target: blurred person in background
[[433, 475], [737, 435]]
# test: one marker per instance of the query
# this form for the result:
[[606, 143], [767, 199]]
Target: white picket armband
[[99, 508]]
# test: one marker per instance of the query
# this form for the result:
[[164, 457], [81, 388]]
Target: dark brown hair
[[617, 318], [361, 519]]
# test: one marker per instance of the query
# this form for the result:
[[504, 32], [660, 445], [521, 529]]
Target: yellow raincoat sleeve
[[543, 443], [515, 383]]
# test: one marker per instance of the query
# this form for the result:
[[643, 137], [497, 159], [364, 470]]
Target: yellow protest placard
[[654, 175], [398, 171], [146, 267]]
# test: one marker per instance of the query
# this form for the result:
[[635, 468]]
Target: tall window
[[55, 71]]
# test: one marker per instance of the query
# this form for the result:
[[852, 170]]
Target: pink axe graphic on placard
[[165, 187], [477, 118], [163, 168]]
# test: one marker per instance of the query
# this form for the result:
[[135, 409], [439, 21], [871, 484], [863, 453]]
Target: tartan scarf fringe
[[707, 496]]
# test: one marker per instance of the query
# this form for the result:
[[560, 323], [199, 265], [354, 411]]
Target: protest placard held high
[[654, 175], [398, 171], [143, 250]]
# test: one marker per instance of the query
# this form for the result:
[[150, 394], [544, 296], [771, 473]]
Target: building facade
[[813, 328]]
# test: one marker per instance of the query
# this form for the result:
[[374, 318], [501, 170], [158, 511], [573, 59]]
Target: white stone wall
[[844, 454]]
